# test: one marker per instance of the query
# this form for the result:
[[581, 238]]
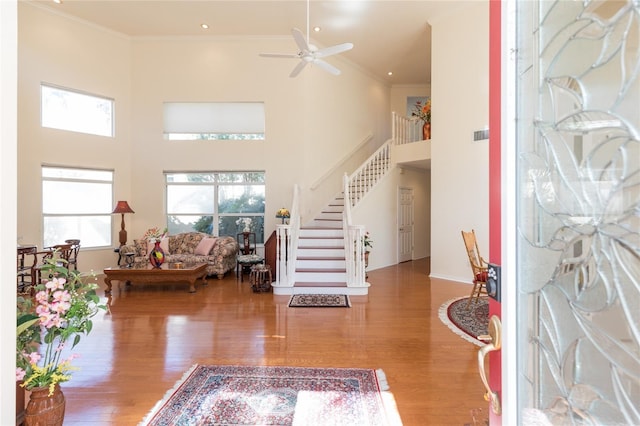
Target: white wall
[[8, 177], [312, 121], [377, 211], [459, 166], [68, 53]]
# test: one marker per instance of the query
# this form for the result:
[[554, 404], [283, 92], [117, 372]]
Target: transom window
[[77, 204], [72, 110], [214, 120], [215, 202]]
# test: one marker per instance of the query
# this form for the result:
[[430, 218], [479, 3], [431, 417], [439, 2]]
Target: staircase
[[320, 262], [326, 254], [316, 259]]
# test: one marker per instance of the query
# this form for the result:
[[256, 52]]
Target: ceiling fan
[[310, 54]]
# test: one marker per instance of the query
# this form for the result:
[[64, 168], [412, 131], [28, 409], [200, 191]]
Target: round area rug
[[466, 323]]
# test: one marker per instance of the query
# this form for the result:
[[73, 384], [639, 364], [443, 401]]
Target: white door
[[571, 258], [405, 224]]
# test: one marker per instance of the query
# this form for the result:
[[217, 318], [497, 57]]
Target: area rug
[[264, 395], [319, 301], [467, 323]]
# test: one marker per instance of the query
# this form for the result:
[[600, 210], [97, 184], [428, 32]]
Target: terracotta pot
[[19, 403], [426, 131], [45, 410]]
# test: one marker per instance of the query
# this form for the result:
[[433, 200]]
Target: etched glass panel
[[579, 212]]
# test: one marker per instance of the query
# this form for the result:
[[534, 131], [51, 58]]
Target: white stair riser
[[321, 264], [319, 252], [334, 209], [318, 277], [318, 242], [315, 232], [328, 224], [330, 216]]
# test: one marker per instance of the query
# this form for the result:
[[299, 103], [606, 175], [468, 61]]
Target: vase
[[156, 256], [426, 131], [43, 409]]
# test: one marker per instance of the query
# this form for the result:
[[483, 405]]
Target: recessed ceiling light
[[57, 1], [390, 73], [317, 29], [204, 26]]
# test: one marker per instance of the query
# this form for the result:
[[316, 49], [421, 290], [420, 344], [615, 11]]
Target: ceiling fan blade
[[333, 50], [326, 66], [298, 68], [279, 55], [300, 40]]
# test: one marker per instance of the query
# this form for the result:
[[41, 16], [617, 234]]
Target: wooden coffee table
[[169, 272]]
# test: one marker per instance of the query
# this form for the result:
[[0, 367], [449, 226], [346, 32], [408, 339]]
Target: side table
[[260, 278]]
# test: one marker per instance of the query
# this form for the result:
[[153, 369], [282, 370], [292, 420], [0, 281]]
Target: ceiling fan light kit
[[308, 53]]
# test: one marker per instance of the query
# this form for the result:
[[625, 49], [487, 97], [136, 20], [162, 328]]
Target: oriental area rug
[[319, 301], [466, 323], [265, 395]]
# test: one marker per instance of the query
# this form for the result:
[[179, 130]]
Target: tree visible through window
[[214, 202]]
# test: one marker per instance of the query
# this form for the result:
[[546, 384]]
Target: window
[[71, 110], [77, 203], [213, 202], [214, 120]]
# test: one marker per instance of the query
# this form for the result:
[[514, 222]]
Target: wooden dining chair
[[64, 251], [73, 255], [478, 267]]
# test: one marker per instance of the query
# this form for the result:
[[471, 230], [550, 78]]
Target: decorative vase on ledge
[[426, 131], [156, 256]]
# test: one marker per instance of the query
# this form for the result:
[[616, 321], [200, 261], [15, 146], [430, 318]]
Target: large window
[[77, 203], [215, 202], [72, 110], [214, 120]]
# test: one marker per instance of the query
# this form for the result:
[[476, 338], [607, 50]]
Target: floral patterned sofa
[[218, 252]]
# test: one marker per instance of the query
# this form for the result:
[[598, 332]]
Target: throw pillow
[[164, 245], [205, 245]]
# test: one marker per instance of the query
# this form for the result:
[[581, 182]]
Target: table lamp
[[283, 214], [122, 207]]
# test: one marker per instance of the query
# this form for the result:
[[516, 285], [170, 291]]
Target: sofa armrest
[[127, 248], [226, 246]]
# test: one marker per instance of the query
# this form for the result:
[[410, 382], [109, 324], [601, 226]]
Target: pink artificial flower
[[20, 373], [34, 357]]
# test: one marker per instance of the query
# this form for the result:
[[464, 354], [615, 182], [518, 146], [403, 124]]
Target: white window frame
[[77, 175], [215, 184]]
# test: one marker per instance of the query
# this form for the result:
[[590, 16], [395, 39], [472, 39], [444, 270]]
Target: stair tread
[[321, 258], [319, 284], [330, 270]]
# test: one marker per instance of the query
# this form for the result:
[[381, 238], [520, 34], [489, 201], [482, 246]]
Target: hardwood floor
[[155, 332]]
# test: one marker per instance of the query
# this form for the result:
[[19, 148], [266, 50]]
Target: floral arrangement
[[367, 241], [423, 112], [154, 234], [245, 222], [63, 310]]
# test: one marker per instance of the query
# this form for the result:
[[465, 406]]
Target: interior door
[[571, 213], [405, 224]]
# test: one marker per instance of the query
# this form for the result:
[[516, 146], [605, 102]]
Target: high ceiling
[[390, 35]]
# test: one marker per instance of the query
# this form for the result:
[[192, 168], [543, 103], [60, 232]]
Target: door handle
[[495, 344]]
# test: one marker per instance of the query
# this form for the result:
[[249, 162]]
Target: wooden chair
[[73, 256], [478, 266], [26, 264], [247, 256], [64, 252]]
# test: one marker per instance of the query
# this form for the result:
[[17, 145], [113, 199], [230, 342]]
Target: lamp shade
[[122, 207], [282, 213]]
